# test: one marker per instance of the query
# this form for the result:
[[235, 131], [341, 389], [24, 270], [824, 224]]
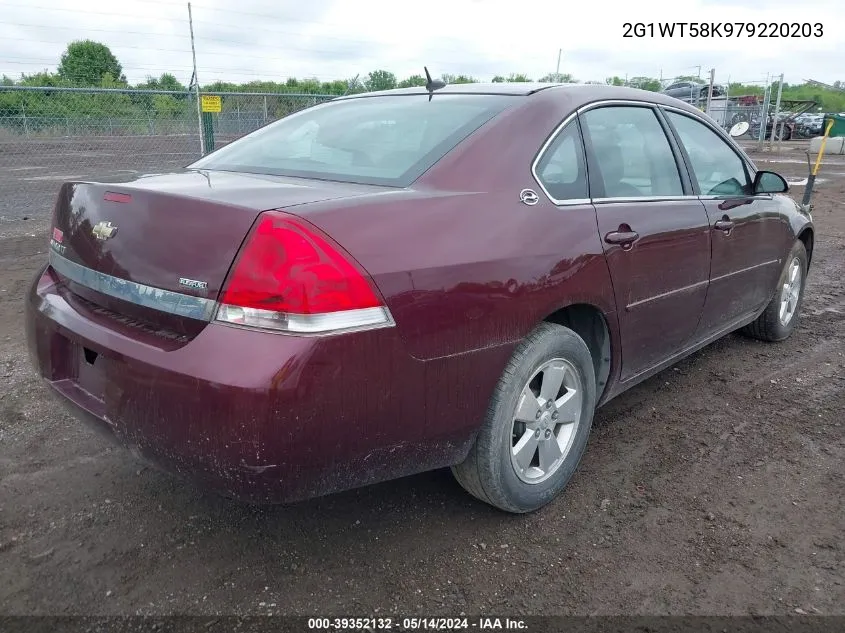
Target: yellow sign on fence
[[211, 103]]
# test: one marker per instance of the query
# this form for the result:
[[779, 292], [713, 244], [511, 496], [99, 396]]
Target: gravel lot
[[713, 488]]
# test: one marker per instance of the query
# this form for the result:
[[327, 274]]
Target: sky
[[248, 40]]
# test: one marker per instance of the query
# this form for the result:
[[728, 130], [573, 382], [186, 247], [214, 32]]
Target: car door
[[747, 234], [655, 233]]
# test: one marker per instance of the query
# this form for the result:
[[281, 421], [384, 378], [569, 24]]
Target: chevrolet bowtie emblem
[[104, 230]]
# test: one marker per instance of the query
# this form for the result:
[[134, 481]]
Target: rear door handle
[[723, 225], [622, 237]]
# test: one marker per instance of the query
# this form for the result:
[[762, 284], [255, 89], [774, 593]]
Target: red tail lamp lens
[[113, 196], [290, 267]]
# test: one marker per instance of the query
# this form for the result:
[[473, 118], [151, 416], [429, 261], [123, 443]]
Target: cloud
[[328, 39]]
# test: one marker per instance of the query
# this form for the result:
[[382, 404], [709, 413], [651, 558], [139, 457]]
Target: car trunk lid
[[159, 247]]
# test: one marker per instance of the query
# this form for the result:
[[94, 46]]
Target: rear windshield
[[388, 140]]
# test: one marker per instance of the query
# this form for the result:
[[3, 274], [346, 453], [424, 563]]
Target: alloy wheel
[[546, 420]]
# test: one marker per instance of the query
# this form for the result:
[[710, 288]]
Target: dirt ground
[[714, 488]]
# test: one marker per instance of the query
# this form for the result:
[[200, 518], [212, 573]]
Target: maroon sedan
[[395, 282]]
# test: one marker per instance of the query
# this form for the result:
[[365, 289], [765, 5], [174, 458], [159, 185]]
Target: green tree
[[614, 81], [645, 83], [498, 79], [336, 87], [518, 77], [458, 79], [85, 62], [380, 80], [44, 78], [166, 106], [413, 80], [558, 78], [222, 86], [169, 82]]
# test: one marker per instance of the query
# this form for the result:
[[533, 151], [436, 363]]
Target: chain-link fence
[[729, 108], [82, 132]]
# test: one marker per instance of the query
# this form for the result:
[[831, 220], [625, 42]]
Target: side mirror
[[769, 182]]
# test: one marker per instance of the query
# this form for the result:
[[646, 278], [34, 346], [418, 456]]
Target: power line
[[230, 25], [64, 43], [178, 6], [239, 72], [177, 50], [77, 29], [161, 69], [88, 11]]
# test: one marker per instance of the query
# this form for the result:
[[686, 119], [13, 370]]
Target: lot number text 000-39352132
[[722, 29]]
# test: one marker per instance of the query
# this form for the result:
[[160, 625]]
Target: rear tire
[[503, 468], [780, 317]]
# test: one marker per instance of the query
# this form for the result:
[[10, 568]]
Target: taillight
[[291, 277]]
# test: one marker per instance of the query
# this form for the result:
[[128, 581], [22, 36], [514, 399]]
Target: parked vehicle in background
[[692, 92], [810, 125], [785, 129], [399, 281]]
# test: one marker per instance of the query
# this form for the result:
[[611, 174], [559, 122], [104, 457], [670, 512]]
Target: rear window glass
[[388, 140]]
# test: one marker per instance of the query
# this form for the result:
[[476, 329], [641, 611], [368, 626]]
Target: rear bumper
[[258, 416]]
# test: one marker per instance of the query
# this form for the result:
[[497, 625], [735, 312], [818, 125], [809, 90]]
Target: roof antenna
[[432, 84]]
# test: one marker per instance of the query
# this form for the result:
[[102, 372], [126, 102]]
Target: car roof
[[517, 88], [578, 93]]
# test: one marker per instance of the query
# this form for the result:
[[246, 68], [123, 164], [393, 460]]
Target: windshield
[[388, 140]]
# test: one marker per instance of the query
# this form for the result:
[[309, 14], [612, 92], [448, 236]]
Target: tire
[[782, 134], [769, 326], [490, 472], [739, 117]]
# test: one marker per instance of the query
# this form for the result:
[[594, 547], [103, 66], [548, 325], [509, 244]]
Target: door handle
[[723, 225], [625, 238]]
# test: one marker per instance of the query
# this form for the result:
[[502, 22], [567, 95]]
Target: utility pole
[[777, 110], [764, 116], [350, 84], [710, 90], [196, 82], [557, 70]]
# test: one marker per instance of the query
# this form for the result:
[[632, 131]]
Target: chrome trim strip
[[706, 120], [668, 293], [604, 102], [745, 270], [693, 115], [560, 127], [630, 199], [539, 157], [756, 196], [324, 324], [133, 292]]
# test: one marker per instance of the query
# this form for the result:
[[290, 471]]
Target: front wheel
[[537, 423], [781, 315]]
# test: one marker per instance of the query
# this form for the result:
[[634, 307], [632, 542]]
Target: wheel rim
[[546, 420], [790, 292]]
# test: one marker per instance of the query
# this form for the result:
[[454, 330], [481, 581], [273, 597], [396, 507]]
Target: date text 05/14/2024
[[417, 624], [722, 29]]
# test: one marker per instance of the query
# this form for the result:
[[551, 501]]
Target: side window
[[562, 168], [632, 154], [715, 165]]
